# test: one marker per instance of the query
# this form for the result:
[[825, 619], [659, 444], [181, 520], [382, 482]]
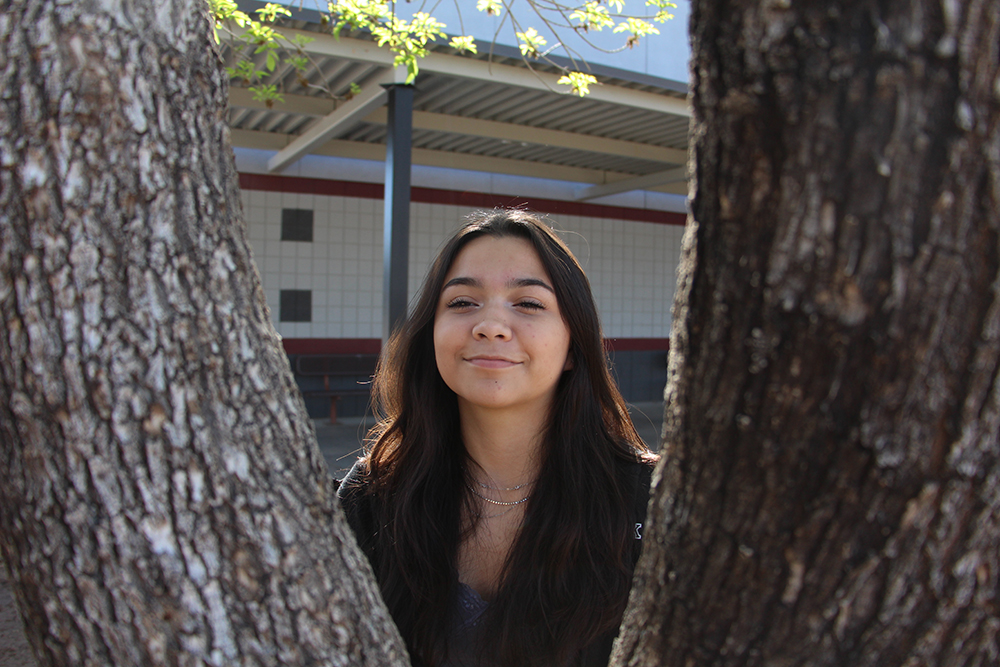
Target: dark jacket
[[361, 516]]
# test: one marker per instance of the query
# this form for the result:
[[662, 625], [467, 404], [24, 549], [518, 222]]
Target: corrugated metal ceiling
[[479, 103]]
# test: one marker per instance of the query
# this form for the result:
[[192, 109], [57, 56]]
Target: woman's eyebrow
[[530, 282], [466, 281]]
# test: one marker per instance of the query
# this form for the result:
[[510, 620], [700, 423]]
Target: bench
[[361, 367]]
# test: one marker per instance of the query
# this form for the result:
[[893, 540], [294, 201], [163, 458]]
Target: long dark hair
[[567, 576]]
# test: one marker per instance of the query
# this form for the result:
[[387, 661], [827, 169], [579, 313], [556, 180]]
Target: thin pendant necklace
[[504, 488]]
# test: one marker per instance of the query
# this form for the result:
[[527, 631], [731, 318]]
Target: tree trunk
[[164, 500], [830, 493]]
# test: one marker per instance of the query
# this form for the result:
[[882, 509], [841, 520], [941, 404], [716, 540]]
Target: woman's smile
[[491, 362]]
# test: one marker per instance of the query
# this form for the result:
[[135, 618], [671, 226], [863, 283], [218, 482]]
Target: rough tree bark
[[830, 493], [163, 499]]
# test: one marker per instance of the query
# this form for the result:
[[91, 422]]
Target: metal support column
[[396, 229]]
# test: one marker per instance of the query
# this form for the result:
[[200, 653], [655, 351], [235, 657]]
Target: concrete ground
[[341, 442]]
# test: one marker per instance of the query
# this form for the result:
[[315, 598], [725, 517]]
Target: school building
[[473, 131]]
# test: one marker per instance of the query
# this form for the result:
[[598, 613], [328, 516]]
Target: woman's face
[[499, 337]]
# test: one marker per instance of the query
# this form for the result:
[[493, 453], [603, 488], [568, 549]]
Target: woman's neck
[[503, 444]]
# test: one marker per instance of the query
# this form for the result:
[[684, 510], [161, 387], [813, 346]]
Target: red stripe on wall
[[636, 344], [374, 345], [554, 206], [320, 186], [311, 186]]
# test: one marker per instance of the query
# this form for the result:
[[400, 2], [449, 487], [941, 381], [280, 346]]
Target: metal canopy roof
[[486, 112]]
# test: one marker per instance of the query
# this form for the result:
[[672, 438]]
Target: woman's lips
[[491, 362]]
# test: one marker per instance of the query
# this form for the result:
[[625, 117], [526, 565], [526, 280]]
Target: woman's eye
[[460, 303], [530, 305]]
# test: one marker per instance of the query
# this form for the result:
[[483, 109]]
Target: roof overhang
[[480, 113]]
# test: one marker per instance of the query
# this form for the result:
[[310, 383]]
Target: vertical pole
[[396, 229]]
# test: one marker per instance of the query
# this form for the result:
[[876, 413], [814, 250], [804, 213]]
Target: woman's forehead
[[505, 257]]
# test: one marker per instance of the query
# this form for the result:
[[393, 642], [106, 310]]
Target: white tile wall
[[631, 265]]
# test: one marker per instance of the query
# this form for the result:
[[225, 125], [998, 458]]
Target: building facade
[[608, 171], [318, 246]]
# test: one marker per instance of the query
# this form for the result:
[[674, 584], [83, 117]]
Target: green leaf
[[662, 16], [578, 81], [530, 42], [491, 7], [222, 9], [270, 12], [592, 16], [412, 69], [245, 69], [300, 63], [267, 93], [263, 35], [464, 43], [637, 27]]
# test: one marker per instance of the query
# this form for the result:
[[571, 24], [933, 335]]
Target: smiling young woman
[[500, 341], [499, 499]]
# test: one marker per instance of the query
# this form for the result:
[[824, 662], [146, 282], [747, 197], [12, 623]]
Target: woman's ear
[[569, 360]]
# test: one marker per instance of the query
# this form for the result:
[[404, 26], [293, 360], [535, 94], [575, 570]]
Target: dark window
[[296, 224], [295, 305]]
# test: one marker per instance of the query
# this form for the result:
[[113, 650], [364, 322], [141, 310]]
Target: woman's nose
[[490, 327]]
